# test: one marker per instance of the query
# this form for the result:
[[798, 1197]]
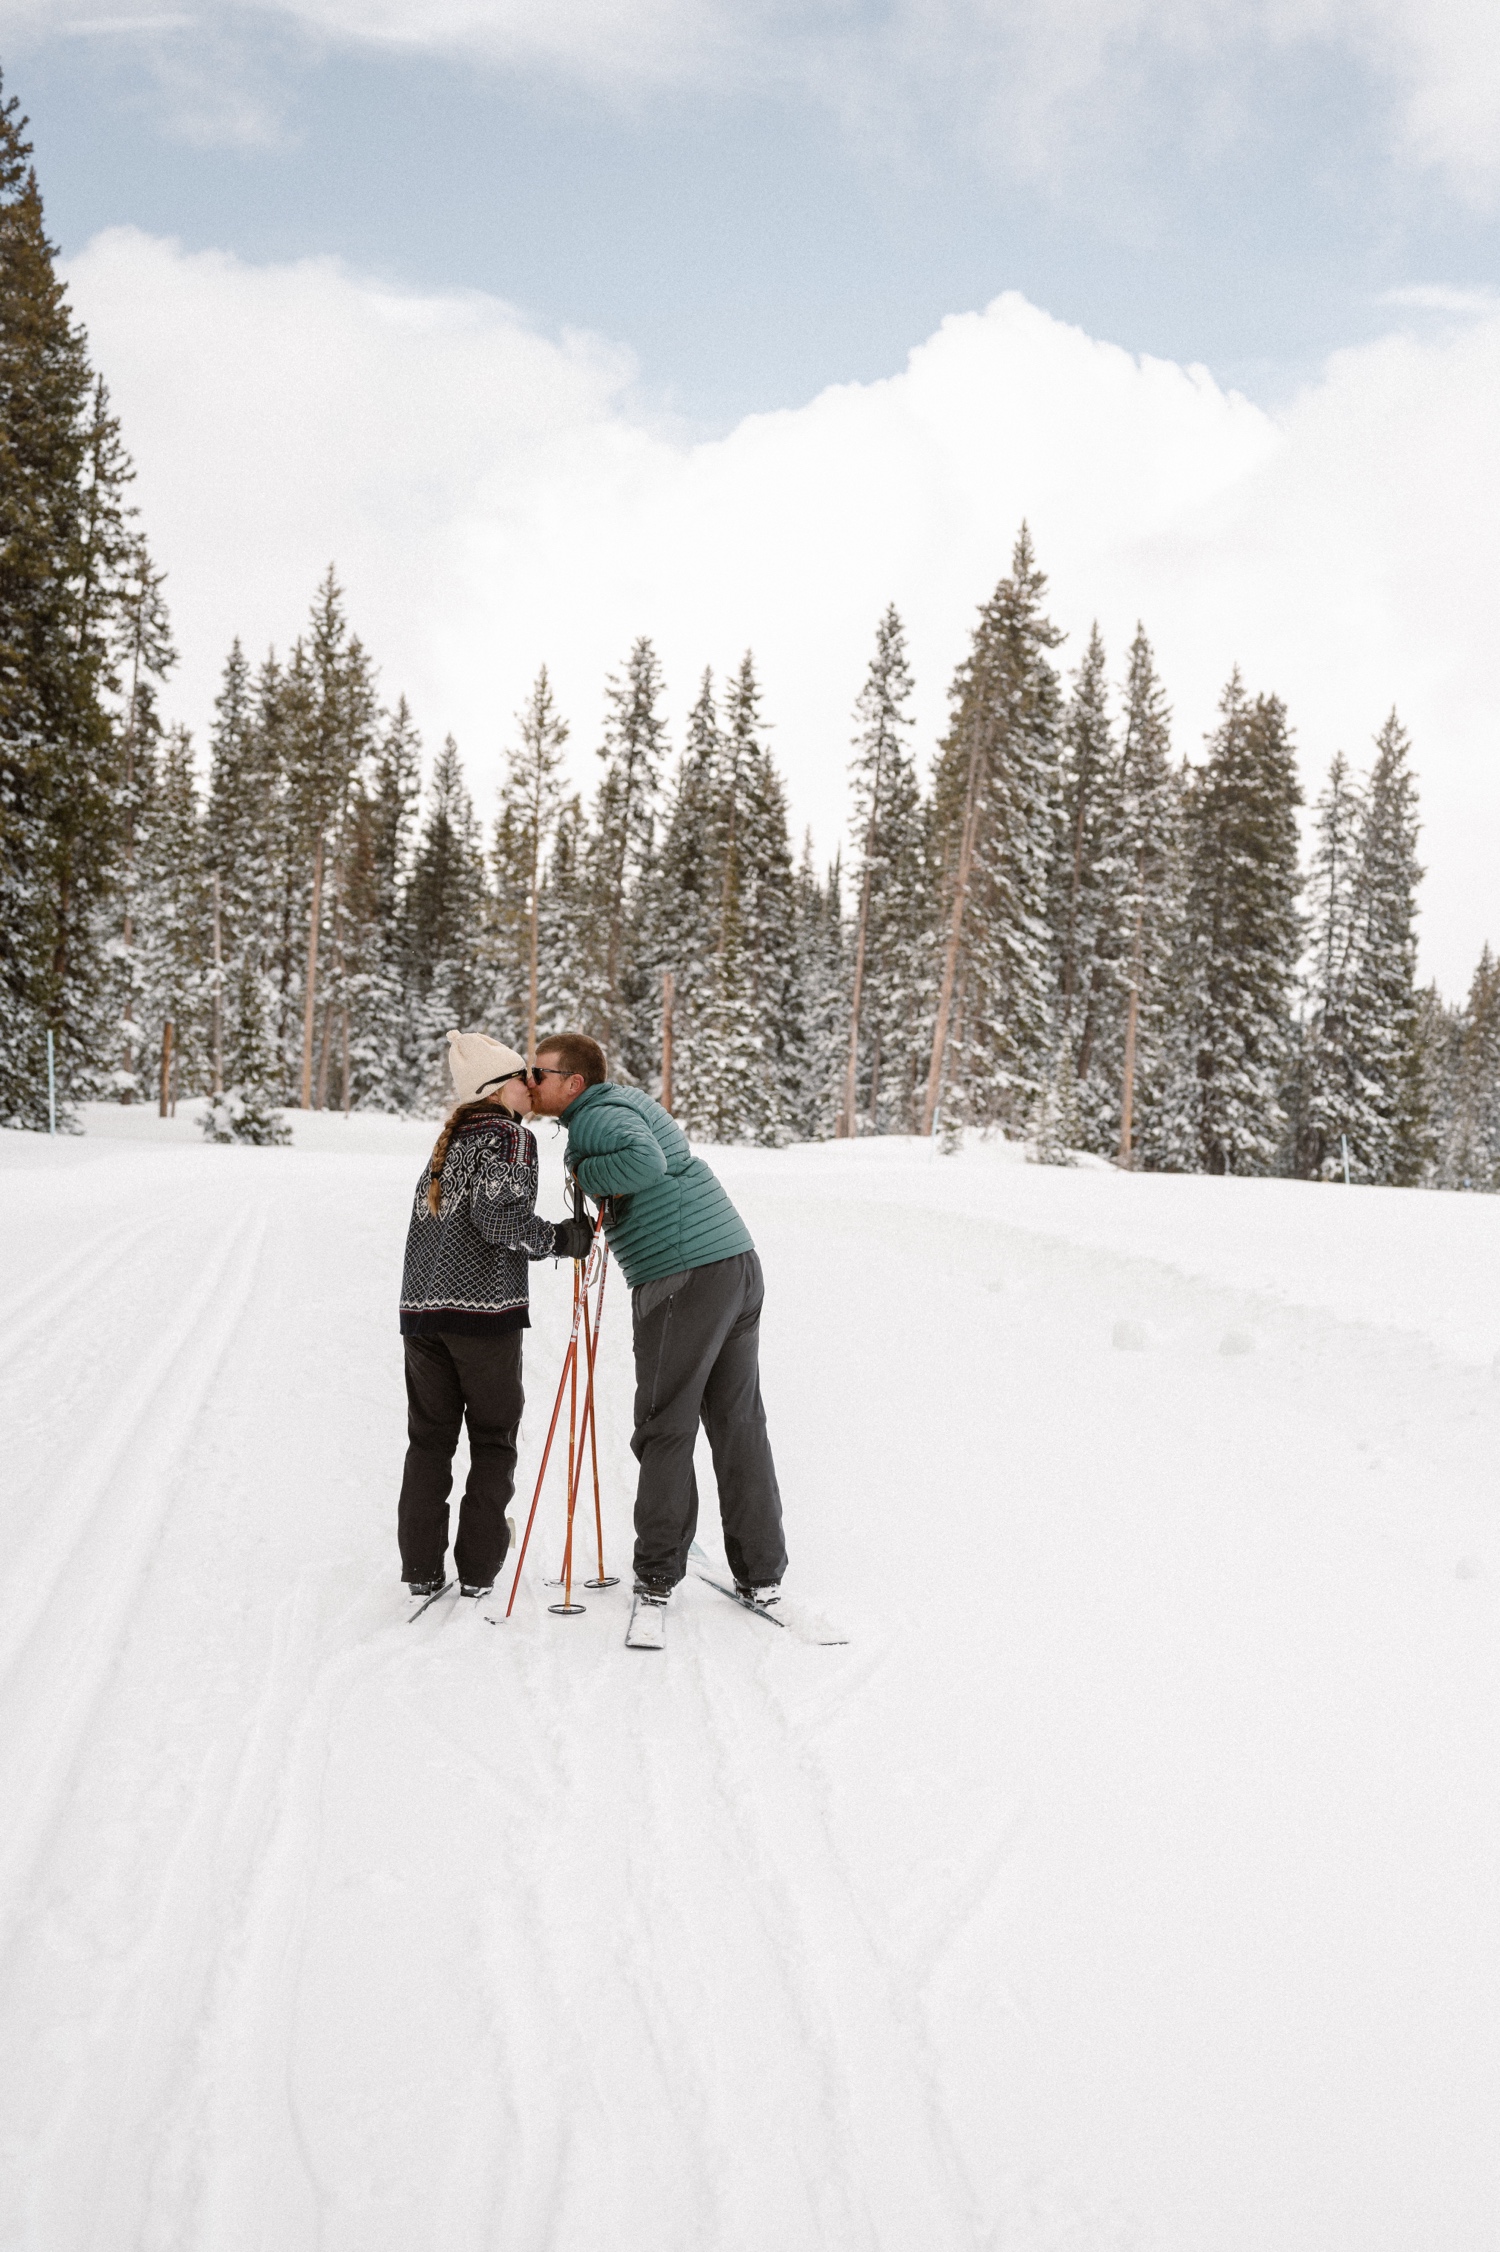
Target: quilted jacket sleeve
[[628, 1157]]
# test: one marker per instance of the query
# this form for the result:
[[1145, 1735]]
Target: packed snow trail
[[1126, 1881]]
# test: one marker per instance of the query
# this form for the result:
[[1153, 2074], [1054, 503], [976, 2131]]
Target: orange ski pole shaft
[[541, 1474], [575, 1452], [569, 1367], [591, 1349]]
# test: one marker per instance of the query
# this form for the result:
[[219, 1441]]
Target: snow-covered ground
[[1129, 1881]]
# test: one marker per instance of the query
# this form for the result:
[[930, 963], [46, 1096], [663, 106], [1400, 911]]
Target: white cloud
[[493, 501], [1037, 82]]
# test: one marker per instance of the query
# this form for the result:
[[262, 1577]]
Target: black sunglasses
[[541, 1071], [485, 1084]]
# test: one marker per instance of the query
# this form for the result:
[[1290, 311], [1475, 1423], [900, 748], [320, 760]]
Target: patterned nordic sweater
[[465, 1267]]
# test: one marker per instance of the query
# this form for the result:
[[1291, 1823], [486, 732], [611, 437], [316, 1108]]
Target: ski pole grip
[[580, 1209]]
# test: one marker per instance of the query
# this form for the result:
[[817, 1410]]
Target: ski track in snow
[[1123, 1883]]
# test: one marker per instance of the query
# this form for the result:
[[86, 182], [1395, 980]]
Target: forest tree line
[[1065, 930]]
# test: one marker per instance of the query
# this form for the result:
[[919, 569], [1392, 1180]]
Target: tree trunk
[[1126, 1155], [955, 931], [218, 1002], [1070, 963], [536, 908], [346, 1059], [324, 1050], [668, 1000], [310, 1003], [846, 1122], [163, 1106]]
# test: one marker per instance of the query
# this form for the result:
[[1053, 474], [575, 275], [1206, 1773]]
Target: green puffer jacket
[[670, 1211]]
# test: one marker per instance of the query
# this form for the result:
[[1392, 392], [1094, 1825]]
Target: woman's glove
[[574, 1239]]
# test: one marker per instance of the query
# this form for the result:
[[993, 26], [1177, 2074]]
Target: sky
[[731, 324]]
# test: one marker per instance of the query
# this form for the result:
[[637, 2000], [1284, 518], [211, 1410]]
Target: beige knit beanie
[[478, 1064]]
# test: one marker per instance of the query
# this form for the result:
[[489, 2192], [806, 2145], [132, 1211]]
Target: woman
[[463, 1307]]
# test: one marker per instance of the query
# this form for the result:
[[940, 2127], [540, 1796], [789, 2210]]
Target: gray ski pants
[[697, 1355]]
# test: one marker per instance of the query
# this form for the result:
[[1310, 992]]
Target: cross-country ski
[[647, 1628], [800, 1619]]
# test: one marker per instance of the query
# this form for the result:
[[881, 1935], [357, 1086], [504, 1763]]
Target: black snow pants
[[448, 1379], [697, 1355]]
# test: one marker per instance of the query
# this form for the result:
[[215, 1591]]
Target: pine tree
[[1331, 1109], [245, 861], [680, 911], [1056, 1125], [1147, 883], [995, 820], [1439, 1045], [386, 1073], [530, 797], [171, 896], [66, 552], [330, 718], [445, 919], [634, 753], [1358, 1090], [1397, 1149], [771, 1036], [571, 944], [814, 1060], [1470, 1157], [884, 795], [147, 655], [1244, 933], [1085, 927]]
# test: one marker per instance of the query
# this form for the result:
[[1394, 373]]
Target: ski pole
[[591, 1417], [567, 1608], [570, 1362], [582, 1285]]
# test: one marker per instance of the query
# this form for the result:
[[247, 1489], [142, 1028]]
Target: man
[[696, 1292]]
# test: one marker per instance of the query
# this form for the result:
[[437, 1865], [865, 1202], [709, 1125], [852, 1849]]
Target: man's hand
[[575, 1239]]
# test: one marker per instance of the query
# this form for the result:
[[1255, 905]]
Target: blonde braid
[[440, 1151]]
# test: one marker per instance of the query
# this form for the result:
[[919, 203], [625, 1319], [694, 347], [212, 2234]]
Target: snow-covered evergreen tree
[[1055, 1126], [70, 561], [1397, 1148], [1358, 1087], [146, 655], [1243, 934], [530, 797], [244, 851], [1470, 1154], [386, 1073], [1330, 1097], [1129, 1062], [572, 935], [680, 909], [445, 921], [814, 1057], [621, 849], [995, 819], [1084, 921], [886, 867], [172, 920]]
